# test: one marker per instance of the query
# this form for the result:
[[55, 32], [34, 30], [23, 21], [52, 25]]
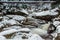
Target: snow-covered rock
[[1, 25], [5, 18], [56, 19], [58, 29], [2, 38], [35, 37], [19, 18], [8, 32], [29, 35], [39, 31], [1, 13], [54, 35], [24, 11], [45, 26], [10, 16], [44, 13], [1, 18], [14, 30], [10, 22], [25, 29], [12, 27], [55, 9], [56, 23]]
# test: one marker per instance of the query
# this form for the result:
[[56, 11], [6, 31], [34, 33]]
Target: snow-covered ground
[[28, 28]]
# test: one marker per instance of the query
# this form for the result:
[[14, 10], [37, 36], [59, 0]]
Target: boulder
[[39, 31], [18, 18], [45, 15]]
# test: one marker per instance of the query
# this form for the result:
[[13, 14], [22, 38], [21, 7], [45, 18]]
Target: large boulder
[[45, 15]]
